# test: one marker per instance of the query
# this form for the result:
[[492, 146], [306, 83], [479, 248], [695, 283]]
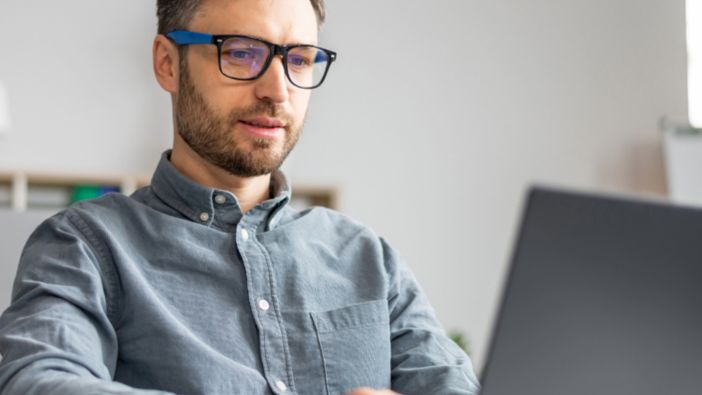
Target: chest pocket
[[355, 346]]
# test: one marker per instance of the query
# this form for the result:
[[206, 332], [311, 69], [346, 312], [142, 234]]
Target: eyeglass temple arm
[[329, 56], [183, 37]]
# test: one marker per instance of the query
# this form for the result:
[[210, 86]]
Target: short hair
[[177, 14]]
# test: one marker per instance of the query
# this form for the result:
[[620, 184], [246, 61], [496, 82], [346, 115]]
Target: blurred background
[[434, 121]]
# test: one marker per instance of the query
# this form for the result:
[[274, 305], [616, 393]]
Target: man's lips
[[263, 127], [264, 122]]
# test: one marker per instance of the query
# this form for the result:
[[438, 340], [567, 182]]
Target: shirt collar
[[206, 205]]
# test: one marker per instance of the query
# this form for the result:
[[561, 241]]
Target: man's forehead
[[280, 21]]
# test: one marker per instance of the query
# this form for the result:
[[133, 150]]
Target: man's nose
[[273, 85]]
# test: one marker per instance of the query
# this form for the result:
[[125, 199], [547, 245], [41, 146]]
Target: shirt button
[[264, 305], [281, 386], [204, 217], [220, 199], [244, 234]]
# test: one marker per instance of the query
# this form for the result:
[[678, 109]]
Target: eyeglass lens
[[244, 58]]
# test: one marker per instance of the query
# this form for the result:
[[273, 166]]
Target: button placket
[[272, 335]]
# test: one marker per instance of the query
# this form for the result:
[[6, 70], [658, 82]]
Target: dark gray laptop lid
[[604, 296]]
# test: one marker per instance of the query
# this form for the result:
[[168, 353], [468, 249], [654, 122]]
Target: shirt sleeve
[[57, 335], [424, 360]]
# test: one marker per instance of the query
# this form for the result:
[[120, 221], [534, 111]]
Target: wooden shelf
[[19, 190], [22, 185], [307, 196]]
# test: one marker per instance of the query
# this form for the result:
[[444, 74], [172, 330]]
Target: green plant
[[461, 340]]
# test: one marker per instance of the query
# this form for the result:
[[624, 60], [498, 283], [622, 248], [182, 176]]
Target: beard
[[212, 136]]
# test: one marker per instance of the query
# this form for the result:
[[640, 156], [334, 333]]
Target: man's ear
[[165, 57]]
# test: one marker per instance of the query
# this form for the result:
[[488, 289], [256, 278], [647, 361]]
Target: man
[[207, 282]]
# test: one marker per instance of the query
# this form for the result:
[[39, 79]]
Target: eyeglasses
[[247, 58]]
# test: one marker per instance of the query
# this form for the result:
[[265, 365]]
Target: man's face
[[244, 127]]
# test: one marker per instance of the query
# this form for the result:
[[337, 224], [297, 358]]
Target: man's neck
[[249, 191]]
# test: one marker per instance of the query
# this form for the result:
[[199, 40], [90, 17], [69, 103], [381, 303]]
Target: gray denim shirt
[[175, 290]]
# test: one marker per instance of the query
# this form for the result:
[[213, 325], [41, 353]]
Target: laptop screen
[[604, 297]]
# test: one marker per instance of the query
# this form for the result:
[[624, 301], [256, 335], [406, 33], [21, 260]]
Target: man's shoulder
[[109, 208], [79, 222], [108, 204], [325, 224], [320, 213], [324, 218]]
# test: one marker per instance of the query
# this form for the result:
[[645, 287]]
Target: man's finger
[[370, 391]]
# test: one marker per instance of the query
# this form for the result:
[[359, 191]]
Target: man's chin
[[262, 144], [260, 163]]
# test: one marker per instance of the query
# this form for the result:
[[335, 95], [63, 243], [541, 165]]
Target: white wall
[[436, 116], [82, 95]]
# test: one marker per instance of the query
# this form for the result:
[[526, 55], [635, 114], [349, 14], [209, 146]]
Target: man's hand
[[370, 391]]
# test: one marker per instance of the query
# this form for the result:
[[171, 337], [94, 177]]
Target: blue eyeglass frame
[[185, 37]]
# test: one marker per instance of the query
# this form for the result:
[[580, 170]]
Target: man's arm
[[424, 360], [57, 336]]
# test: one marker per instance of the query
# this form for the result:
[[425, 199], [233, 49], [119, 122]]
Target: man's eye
[[240, 55], [299, 61]]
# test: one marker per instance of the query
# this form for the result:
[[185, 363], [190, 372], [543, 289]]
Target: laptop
[[604, 296]]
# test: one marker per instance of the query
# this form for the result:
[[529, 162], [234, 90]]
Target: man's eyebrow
[[287, 43], [234, 33], [314, 42]]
